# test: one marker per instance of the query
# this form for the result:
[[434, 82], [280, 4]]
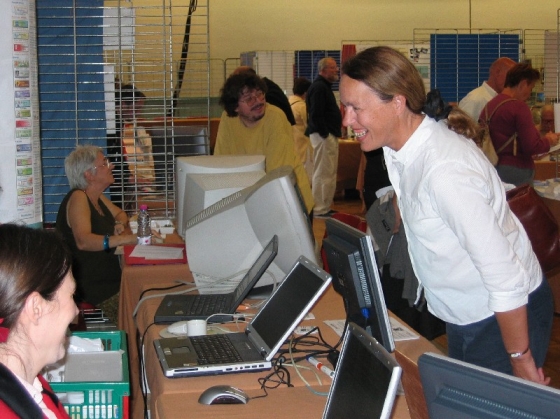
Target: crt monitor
[[204, 180], [171, 141], [459, 390], [226, 237], [356, 278]]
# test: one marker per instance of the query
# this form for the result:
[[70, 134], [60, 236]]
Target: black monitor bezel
[[337, 233]]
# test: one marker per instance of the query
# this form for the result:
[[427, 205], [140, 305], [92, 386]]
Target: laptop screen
[[257, 269], [366, 379], [293, 298]]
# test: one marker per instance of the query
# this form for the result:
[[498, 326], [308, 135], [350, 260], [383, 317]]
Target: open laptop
[[253, 349], [365, 381], [174, 308]]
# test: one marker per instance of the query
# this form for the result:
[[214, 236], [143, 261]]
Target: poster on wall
[[20, 173]]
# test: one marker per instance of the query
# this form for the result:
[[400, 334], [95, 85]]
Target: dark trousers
[[481, 343]]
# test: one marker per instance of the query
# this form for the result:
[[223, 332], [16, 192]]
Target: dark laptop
[[365, 381], [254, 349], [200, 306]]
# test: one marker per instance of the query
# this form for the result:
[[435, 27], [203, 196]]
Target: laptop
[[174, 308], [365, 381], [253, 349]]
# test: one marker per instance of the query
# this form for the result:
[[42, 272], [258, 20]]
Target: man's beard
[[252, 117]]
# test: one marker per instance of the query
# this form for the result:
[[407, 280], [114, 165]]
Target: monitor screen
[[459, 390], [226, 237], [365, 381], [356, 278], [204, 180]]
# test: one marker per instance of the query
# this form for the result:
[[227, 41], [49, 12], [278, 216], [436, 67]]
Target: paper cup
[[196, 327]]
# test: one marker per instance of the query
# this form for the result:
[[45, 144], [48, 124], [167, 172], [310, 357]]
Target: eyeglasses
[[251, 98], [106, 163]]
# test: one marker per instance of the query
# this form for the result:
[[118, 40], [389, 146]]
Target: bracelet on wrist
[[514, 355], [106, 243]]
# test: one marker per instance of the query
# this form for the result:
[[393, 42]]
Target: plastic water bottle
[[144, 226]]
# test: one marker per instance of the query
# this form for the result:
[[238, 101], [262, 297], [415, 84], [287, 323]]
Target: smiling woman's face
[[372, 120]]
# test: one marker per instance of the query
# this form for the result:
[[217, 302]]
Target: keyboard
[[208, 304], [215, 349]]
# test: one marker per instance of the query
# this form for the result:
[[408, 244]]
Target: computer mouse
[[223, 395], [178, 328]]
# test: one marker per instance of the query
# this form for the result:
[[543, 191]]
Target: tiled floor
[[552, 364]]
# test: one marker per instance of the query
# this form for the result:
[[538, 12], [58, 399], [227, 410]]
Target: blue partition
[[71, 89], [460, 62], [306, 63]]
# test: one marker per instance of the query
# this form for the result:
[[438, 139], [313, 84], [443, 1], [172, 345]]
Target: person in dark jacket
[[324, 128]]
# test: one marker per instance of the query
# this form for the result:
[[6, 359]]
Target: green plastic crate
[[103, 400]]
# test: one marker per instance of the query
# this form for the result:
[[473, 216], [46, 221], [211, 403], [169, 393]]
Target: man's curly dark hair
[[234, 87]]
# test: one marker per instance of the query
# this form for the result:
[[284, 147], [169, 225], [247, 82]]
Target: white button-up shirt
[[476, 99], [468, 250]]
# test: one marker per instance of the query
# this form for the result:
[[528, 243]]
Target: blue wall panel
[[460, 62], [71, 92], [306, 63]]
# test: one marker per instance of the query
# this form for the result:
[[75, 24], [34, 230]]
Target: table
[[136, 279], [171, 396], [289, 403]]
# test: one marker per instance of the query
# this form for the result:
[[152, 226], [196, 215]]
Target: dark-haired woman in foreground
[[36, 307], [468, 250]]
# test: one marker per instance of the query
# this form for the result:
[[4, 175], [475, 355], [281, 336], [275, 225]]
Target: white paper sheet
[[157, 252]]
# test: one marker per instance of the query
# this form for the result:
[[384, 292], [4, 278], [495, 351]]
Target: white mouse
[[178, 328], [223, 395]]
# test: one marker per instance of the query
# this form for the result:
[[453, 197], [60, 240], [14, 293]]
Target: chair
[[353, 221]]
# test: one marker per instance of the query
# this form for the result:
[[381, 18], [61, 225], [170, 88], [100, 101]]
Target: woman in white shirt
[[469, 252]]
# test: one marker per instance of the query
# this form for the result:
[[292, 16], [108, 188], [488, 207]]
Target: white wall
[[255, 25]]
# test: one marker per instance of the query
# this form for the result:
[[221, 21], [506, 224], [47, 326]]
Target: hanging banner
[[20, 171]]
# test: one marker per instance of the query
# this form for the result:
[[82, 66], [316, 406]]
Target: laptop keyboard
[[207, 304], [215, 349]]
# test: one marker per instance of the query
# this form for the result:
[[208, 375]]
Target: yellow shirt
[[272, 137]]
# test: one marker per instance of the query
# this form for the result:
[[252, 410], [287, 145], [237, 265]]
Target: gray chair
[[175, 141]]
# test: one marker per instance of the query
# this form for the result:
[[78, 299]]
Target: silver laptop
[[365, 381], [174, 308], [254, 349]]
